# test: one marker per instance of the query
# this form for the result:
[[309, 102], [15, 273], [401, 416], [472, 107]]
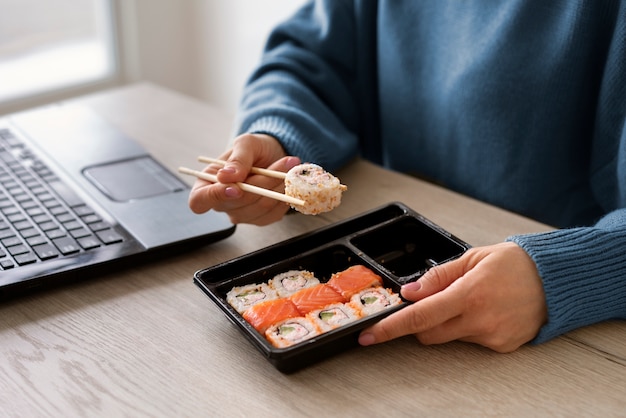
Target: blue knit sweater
[[519, 103]]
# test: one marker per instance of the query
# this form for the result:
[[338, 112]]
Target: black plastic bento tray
[[393, 240]]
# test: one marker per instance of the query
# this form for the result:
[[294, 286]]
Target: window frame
[[114, 78]]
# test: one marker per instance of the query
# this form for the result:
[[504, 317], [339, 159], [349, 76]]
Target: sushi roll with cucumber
[[291, 331], [375, 299], [291, 281], [334, 316], [320, 190], [243, 297]]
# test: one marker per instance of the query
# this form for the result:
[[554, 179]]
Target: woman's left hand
[[492, 296]]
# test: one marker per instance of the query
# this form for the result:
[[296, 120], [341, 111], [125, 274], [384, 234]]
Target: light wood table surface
[[146, 342]]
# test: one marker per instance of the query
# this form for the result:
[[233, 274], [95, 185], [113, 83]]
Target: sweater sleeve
[[302, 91], [583, 272]]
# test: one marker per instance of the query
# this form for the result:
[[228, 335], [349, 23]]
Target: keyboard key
[[41, 218], [27, 258], [18, 249], [48, 226], [11, 241], [80, 232], [99, 226], [55, 233], [23, 224], [29, 232], [67, 245], [7, 264], [68, 195], [65, 217], [36, 240], [72, 225], [88, 242], [6, 233], [46, 251], [109, 236]]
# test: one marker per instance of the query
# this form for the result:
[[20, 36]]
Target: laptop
[[78, 198]]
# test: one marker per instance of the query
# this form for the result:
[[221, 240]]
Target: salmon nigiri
[[265, 314], [353, 280]]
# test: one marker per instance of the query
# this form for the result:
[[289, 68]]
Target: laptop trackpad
[[132, 179]]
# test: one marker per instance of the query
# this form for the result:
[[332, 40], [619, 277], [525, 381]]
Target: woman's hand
[[492, 296], [249, 150]]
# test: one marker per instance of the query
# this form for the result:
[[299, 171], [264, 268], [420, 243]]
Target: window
[[50, 45]]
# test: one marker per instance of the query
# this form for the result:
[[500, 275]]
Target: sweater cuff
[[580, 269]]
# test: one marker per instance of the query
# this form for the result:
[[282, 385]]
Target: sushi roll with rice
[[375, 299], [334, 316], [243, 297], [318, 188], [291, 281], [291, 331], [264, 314]]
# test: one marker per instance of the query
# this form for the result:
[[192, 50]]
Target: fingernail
[[412, 286], [367, 339], [227, 169], [291, 162], [232, 192]]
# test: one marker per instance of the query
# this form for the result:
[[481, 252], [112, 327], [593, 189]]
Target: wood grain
[[147, 343]]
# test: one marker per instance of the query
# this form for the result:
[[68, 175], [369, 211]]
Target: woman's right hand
[[249, 150]]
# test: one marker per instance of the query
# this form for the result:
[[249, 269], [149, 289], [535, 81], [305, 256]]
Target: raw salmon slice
[[265, 314], [316, 297], [353, 280]]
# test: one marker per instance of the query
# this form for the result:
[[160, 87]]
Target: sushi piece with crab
[[291, 331], [334, 316], [374, 299], [243, 297], [289, 282], [320, 190]]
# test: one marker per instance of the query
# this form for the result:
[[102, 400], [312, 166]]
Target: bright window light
[[49, 45]]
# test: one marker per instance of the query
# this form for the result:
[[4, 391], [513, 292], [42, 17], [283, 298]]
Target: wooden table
[[147, 342]]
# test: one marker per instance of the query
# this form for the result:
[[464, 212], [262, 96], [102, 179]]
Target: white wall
[[202, 48]]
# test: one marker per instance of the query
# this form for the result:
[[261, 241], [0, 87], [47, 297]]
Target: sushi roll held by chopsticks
[[309, 189], [318, 188]]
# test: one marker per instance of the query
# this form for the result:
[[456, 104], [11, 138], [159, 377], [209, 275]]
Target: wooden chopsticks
[[255, 170], [245, 186]]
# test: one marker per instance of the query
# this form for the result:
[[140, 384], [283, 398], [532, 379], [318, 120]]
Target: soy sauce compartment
[[408, 247]]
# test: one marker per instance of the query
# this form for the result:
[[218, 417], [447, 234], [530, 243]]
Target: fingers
[[435, 280], [225, 196], [421, 316], [492, 296], [426, 314]]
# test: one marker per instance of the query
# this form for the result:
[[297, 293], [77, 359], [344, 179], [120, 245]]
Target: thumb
[[434, 280]]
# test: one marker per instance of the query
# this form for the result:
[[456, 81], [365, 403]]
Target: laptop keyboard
[[41, 218]]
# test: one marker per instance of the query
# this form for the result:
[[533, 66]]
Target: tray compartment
[[408, 247]]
